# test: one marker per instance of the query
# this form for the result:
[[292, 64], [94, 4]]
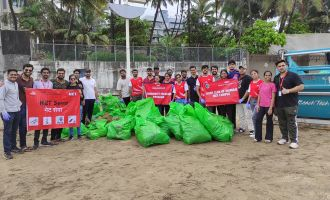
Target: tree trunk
[[291, 14], [176, 17], [154, 23], [189, 23], [282, 24], [166, 28], [70, 24], [112, 29], [182, 8], [13, 15]]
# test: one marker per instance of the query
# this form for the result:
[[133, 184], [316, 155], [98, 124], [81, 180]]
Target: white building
[[5, 15]]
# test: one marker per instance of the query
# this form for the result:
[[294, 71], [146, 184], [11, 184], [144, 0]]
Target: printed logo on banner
[[33, 121], [59, 119], [47, 121], [72, 119]]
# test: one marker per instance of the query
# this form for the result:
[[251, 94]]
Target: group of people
[[13, 105], [257, 99]]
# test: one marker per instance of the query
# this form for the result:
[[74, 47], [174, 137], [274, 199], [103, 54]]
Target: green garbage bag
[[174, 124], [219, 127], [93, 134], [144, 107], [97, 128], [121, 129], [176, 108], [96, 109], [131, 108], [148, 133], [193, 130], [83, 129], [112, 104], [65, 133]]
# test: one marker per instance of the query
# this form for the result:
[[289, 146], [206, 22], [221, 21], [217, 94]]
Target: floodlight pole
[[128, 52]]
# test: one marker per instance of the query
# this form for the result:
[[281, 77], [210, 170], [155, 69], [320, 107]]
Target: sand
[[105, 169]]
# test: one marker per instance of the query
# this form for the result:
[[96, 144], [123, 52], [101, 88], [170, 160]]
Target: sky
[[151, 11]]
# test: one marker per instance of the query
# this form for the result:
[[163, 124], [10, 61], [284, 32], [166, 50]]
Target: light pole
[[127, 12]]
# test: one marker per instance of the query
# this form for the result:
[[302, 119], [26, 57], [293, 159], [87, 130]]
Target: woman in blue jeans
[[74, 85]]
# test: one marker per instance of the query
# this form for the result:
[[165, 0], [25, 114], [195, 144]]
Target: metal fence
[[76, 52]]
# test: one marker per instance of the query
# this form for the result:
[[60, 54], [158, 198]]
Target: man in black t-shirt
[[245, 121], [191, 81], [288, 84]]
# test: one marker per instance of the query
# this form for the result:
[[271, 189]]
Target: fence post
[[150, 55], [133, 52], [95, 53], [182, 54], [114, 51], [166, 54], [212, 54], [75, 51], [198, 53], [54, 51]]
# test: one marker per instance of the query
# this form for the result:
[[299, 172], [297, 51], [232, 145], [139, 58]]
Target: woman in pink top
[[265, 105]]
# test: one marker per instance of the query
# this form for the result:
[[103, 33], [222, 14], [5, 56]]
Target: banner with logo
[[222, 92], [161, 93], [51, 108]]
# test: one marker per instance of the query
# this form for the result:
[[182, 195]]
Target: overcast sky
[[151, 11]]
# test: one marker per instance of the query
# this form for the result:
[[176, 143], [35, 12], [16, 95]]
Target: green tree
[[258, 38]]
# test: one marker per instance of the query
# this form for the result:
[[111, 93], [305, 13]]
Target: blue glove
[[248, 106], [185, 101], [122, 100], [241, 100], [202, 101], [5, 116]]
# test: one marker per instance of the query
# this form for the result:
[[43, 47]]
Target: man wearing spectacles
[[24, 81]]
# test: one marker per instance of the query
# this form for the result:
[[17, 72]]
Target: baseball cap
[[240, 67]]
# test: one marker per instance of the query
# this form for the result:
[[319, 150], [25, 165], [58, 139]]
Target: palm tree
[[13, 15]]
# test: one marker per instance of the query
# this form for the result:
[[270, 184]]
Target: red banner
[[222, 92], [50, 108], [161, 93]]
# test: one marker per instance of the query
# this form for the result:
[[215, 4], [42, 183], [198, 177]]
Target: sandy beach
[[105, 169]]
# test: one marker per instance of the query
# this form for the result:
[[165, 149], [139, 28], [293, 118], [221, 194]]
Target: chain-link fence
[[76, 52]]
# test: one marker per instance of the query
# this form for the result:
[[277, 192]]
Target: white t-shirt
[[89, 85], [123, 86]]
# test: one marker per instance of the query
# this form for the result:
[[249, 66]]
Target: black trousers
[[55, 134], [163, 109], [37, 135], [127, 100], [228, 111], [269, 125], [88, 109], [214, 109]]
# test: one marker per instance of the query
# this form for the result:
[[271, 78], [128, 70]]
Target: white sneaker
[[293, 145], [268, 141], [282, 141], [252, 136]]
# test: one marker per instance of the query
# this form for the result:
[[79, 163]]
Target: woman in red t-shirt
[[180, 90], [253, 91]]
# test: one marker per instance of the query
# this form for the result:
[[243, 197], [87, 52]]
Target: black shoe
[[35, 147], [46, 143], [79, 137], [17, 150], [8, 156]]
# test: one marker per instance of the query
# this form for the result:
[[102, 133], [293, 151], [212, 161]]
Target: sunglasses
[[28, 70]]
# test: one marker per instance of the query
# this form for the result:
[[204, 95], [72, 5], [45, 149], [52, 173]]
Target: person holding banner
[[136, 87], [24, 81], [164, 108], [156, 73], [90, 94], [123, 87], [227, 110], [150, 78], [180, 90], [43, 83], [58, 83], [265, 105], [216, 77], [253, 92], [202, 82], [191, 81], [73, 85], [10, 106]]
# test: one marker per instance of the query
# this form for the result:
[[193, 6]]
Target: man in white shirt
[[10, 109], [90, 94], [123, 87]]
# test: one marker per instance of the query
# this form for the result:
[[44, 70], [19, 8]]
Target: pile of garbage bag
[[192, 125]]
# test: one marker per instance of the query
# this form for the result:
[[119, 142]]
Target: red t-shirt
[[180, 90], [203, 82], [255, 88], [146, 80], [136, 85]]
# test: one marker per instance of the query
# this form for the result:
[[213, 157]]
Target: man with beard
[[24, 81], [184, 75], [135, 85], [150, 78], [216, 77], [202, 82], [243, 113], [43, 83], [10, 108], [90, 95], [191, 81], [123, 87], [58, 83]]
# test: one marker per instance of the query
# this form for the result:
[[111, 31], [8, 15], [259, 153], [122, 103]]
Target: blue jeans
[[253, 103], [9, 131], [71, 131], [22, 127], [182, 101]]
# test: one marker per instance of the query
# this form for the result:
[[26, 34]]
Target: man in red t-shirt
[[135, 86], [202, 83]]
